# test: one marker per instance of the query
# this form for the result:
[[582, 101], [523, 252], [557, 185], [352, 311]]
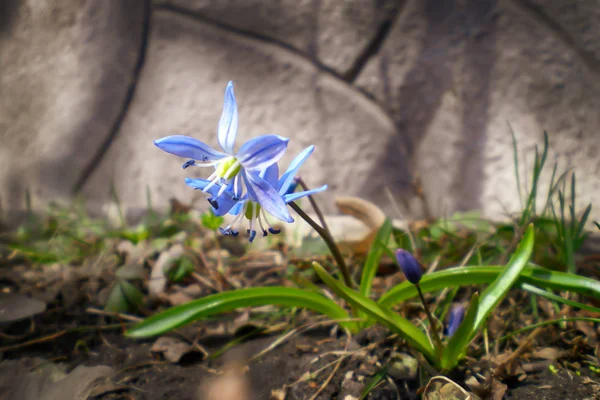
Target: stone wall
[[388, 90]]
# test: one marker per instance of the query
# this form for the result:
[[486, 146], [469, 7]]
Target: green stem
[[335, 251], [314, 205], [436, 336]]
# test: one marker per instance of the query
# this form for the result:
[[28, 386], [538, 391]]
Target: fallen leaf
[[549, 353], [366, 212], [172, 349], [15, 307], [498, 390], [37, 379], [278, 394], [158, 276], [442, 388]]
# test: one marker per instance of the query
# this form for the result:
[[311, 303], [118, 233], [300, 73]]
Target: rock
[[335, 33], [452, 77], [66, 68], [180, 91]]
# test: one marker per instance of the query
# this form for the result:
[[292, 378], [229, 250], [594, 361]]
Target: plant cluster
[[247, 183]]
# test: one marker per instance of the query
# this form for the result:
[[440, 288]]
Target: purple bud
[[409, 265], [456, 317]]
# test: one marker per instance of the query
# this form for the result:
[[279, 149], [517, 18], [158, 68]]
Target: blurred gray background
[[387, 90]]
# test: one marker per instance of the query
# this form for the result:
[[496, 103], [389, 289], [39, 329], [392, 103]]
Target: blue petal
[[288, 198], [224, 202], [261, 152], [270, 175], [263, 193], [228, 124], [238, 208], [188, 147], [286, 179]]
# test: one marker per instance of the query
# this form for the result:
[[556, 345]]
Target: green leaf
[[495, 293], [374, 382], [211, 221], [554, 297], [597, 224], [413, 335], [184, 267], [227, 301], [458, 343], [464, 276], [124, 297], [373, 258]]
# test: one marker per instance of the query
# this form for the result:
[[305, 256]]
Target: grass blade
[[374, 382], [227, 301], [373, 258], [496, 292], [516, 162], [458, 343], [476, 275], [551, 296], [397, 324]]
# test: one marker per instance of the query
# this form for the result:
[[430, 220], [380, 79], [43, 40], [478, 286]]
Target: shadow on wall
[[8, 13], [416, 102]]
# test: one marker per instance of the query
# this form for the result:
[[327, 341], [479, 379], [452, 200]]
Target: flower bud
[[409, 265], [454, 320]]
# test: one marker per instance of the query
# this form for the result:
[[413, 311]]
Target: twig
[[125, 317]]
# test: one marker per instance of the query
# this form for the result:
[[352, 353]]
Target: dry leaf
[[158, 279], [442, 388], [172, 349], [549, 353], [278, 394], [366, 212]]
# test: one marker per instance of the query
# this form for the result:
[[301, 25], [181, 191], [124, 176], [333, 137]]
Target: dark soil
[[341, 367], [145, 375]]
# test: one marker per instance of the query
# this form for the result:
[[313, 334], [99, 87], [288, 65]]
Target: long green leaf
[[495, 292], [373, 259], [457, 345], [227, 301], [551, 296], [476, 275], [403, 327]]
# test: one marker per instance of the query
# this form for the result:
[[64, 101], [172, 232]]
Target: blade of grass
[[375, 381], [475, 275], [516, 162], [373, 258], [549, 322], [228, 301], [397, 324], [557, 298], [495, 293]]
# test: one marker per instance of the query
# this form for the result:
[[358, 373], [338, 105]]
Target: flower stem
[[335, 251], [314, 205], [436, 336]]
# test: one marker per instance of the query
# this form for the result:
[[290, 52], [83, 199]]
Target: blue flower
[[409, 265], [457, 315], [233, 170], [252, 206]]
